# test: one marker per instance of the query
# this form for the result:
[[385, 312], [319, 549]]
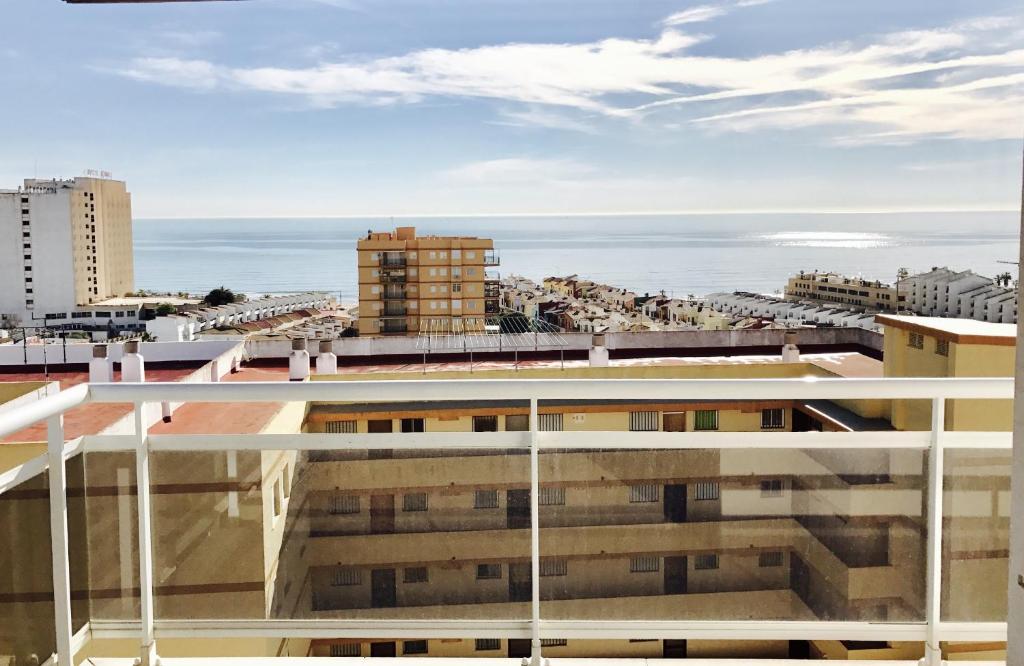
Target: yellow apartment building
[[410, 284], [850, 291]]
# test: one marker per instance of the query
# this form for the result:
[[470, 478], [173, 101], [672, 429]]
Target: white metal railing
[[148, 629]]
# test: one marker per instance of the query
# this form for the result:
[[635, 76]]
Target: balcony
[[492, 258], [410, 536], [393, 309], [392, 260], [393, 278], [397, 324], [394, 292]]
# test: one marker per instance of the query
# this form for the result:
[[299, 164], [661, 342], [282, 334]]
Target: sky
[[286, 108]]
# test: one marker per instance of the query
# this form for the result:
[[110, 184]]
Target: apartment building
[[840, 289], [64, 244], [410, 284], [942, 292], [744, 534]]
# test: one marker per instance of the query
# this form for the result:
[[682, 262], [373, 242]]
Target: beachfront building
[[63, 244], [410, 283], [840, 289], [790, 313], [942, 292]]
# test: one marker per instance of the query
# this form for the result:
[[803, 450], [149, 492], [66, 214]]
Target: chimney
[[598, 352], [133, 366], [100, 369], [326, 361], [298, 362], [790, 352]]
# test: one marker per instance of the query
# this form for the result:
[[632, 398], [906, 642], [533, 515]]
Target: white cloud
[[698, 14], [949, 81]]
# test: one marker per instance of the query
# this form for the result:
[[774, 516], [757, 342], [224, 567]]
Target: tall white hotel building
[[63, 244]]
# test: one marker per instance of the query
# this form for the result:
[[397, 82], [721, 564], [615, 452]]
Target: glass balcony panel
[[750, 534], [976, 535], [111, 515], [26, 574], [384, 534]]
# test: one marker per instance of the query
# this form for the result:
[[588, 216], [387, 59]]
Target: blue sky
[[355, 107]]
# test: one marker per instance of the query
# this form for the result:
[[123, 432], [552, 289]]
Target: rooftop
[[960, 331]]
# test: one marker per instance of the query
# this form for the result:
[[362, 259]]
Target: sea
[[680, 255]]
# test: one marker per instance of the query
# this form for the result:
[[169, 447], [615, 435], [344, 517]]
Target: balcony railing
[[491, 258], [912, 490], [392, 260]]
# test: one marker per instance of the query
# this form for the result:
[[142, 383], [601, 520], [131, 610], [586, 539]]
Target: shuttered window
[[773, 419], [647, 492], [341, 427], [706, 490], [643, 421], [644, 564], [485, 499], [552, 496], [344, 504], [550, 567], [484, 644], [347, 650], [706, 561], [770, 559], [549, 422], [705, 419], [346, 576], [414, 575], [414, 502], [771, 488]]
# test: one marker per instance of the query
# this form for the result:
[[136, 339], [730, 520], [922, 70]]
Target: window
[[485, 499], [485, 424], [553, 642], [433, 288], [550, 567], [706, 561], [915, 340], [773, 419], [456, 254], [347, 650], [517, 422], [484, 644], [433, 255], [433, 272], [412, 425], [344, 504], [456, 304], [706, 490], [471, 255], [647, 492], [470, 271], [770, 559], [643, 421], [488, 571], [549, 422], [705, 419], [338, 427], [644, 564], [456, 287], [942, 346], [414, 647], [771, 488], [414, 575], [551, 497], [444, 255], [414, 502], [443, 270], [345, 576]]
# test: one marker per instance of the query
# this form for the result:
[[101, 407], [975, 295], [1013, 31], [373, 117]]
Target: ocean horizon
[[679, 254]]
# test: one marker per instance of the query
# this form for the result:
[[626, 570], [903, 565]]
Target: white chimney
[[790, 352], [100, 368], [234, 364], [298, 362], [165, 411], [326, 361], [133, 366], [598, 352]]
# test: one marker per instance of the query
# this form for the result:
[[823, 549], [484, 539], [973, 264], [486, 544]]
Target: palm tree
[[1004, 279]]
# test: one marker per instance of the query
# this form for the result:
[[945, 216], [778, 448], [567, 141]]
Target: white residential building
[[63, 244], [942, 292]]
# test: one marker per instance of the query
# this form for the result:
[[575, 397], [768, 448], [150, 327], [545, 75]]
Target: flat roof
[[960, 331], [123, 301]]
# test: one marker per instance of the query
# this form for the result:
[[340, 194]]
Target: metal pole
[[148, 643], [59, 537], [933, 581], [535, 655]]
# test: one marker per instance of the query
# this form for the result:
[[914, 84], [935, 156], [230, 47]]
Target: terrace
[[153, 604]]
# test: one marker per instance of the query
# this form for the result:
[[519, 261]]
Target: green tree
[[220, 296], [165, 309]]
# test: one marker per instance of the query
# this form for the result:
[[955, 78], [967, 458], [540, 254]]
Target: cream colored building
[[409, 283], [64, 244], [835, 288]]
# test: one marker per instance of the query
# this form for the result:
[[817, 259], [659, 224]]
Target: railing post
[[59, 538], [535, 656], [933, 580], [148, 642]]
